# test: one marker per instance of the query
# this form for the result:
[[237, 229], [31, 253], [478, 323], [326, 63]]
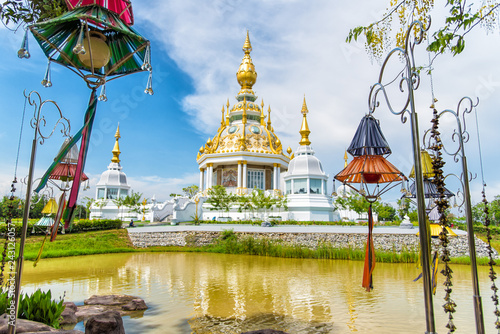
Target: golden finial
[[222, 123], [209, 142], [116, 149], [246, 74], [345, 159], [269, 118], [262, 117], [262, 104], [247, 47], [304, 129], [289, 150], [202, 149], [227, 104]]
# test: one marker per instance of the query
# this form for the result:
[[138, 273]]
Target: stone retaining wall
[[388, 242]]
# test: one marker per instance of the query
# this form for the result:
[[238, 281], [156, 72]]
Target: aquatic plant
[[41, 308]]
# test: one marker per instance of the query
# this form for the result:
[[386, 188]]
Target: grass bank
[[117, 241]]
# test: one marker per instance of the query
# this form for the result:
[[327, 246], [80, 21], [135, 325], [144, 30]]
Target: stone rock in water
[[23, 326], [69, 314], [109, 300], [109, 322], [135, 305]]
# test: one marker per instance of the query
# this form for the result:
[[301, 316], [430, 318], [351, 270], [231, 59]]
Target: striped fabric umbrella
[[93, 42], [50, 207], [91, 32], [121, 7]]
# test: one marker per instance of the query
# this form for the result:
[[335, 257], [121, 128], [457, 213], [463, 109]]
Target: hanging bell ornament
[[102, 95], [79, 48], [23, 51], [146, 66], [46, 80], [149, 86]]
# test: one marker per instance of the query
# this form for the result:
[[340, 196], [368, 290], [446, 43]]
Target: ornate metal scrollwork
[[38, 122]]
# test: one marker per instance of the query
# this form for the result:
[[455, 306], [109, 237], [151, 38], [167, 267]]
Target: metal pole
[[20, 258], [424, 232], [478, 307]]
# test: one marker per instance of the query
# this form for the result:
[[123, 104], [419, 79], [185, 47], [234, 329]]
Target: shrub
[[95, 225]]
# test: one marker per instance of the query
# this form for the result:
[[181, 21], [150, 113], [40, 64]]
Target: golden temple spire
[[116, 149], [246, 74], [269, 118], [304, 129], [222, 122], [262, 113], [345, 159], [247, 47]]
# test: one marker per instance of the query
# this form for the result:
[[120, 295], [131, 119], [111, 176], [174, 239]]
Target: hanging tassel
[[23, 51], [39, 256], [79, 48], [149, 86], [146, 66], [334, 192], [102, 96], [46, 80], [369, 255], [60, 210], [69, 212]]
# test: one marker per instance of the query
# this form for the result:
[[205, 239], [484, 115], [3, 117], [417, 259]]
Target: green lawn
[[95, 242]]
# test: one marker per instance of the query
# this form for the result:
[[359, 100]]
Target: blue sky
[[298, 48]]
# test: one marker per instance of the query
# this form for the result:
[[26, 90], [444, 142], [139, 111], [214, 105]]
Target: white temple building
[[306, 182], [111, 186], [245, 153]]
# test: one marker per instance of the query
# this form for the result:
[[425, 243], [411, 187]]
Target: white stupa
[[306, 182], [112, 185]]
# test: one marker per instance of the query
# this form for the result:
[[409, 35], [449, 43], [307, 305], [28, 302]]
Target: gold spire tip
[[304, 106], [117, 134], [247, 47], [116, 149], [304, 129]]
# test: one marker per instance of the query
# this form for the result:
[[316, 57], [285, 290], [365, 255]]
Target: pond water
[[218, 293]]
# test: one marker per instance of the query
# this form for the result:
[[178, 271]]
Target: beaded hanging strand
[[442, 206], [492, 274]]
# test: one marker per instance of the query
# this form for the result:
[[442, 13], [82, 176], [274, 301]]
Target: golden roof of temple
[[116, 149], [243, 125], [304, 129]]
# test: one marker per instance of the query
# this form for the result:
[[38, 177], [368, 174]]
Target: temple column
[[238, 189], [210, 171], [275, 172], [202, 179], [244, 176], [278, 173]]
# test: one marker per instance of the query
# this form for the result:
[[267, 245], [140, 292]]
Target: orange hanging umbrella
[[370, 169]]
